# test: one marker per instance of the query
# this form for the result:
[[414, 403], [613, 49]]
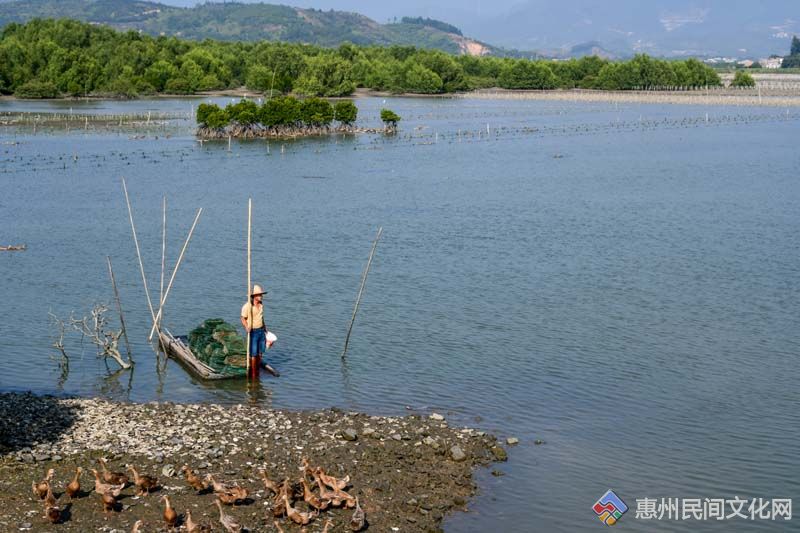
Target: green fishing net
[[219, 345]]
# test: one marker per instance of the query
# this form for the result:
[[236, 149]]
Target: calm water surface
[[621, 282]]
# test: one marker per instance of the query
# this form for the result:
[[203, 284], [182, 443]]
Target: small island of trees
[[281, 116]]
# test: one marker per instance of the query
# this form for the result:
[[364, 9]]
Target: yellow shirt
[[258, 315]]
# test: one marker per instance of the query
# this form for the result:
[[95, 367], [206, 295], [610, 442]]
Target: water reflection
[[117, 384]]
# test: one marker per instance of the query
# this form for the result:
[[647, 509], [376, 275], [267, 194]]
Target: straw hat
[[257, 290]]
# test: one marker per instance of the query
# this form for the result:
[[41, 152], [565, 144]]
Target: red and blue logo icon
[[609, 508]]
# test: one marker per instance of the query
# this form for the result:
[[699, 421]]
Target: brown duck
[[144, 483], [194, 481], [101, 488], [194, 527], [40, 489], [109, 501], [170, 516], [74, 488], [331, 481], [296, 516], [268, 483], [227, 493], [312, 499], [112, 478], [227, 521]]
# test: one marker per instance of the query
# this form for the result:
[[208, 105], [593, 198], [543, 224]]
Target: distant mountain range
[[248, 22], [672, 28]]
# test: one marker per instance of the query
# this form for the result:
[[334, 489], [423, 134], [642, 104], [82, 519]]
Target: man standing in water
[[253, 321]]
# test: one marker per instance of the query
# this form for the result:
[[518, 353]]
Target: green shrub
[[244, 112], [37, 89], [390, 118], [217, 119], [345, 112], [316, 111], [178, 86], [743, 79], [280, 111]]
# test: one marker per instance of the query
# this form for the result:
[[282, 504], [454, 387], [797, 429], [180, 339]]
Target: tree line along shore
[[56, 58]]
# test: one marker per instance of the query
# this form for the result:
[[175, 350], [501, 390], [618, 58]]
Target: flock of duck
[[109, 485]]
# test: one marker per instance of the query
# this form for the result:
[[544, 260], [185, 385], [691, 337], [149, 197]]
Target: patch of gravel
[[408, 472]]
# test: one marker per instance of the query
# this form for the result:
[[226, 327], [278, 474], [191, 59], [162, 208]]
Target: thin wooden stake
[[361, 290], [139, 255], [249, 299], [163, 253], [172, 277], [119, 308]]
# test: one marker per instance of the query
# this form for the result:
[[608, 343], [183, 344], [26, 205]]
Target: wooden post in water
[[139, 255], [249, 289], [361, 290], [119, 308], [163, 253]]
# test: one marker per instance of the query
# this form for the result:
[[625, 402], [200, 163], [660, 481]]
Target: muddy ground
[[408, 472]]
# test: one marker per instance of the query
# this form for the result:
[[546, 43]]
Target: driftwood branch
[[119, 309], [94, 327]]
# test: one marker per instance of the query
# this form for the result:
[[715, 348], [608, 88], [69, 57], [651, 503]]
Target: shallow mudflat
[[407, 472]]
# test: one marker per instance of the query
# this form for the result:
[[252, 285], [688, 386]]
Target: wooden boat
[[178, 349]]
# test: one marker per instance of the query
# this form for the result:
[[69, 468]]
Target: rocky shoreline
[[408, 472]]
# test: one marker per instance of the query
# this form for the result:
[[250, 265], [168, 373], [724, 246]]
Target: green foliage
[[345, 112], [244, 112], [390, 118], [325, 75], [528, 75], [743, 79], [419, 79], [316, 112], [178, 86], [204, 110], [159, 74], [644, 72], [217, 119], [795, 48], [259, 78], [432, 23], [211, 116], [81, 59], [36, 89], [280, 111]]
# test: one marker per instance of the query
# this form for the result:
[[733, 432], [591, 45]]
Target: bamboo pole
[[163, 252], [249, 299], [172, 277], [139, 255], [119, 308], [361, 290]]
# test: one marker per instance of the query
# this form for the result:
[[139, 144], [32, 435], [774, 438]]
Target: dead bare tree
[[58, 343], [94, 327]]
